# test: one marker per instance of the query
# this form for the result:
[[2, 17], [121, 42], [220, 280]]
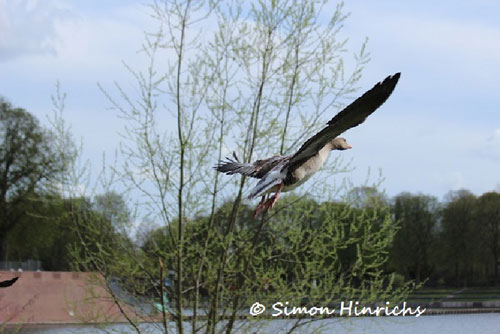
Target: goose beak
[[348, 147]]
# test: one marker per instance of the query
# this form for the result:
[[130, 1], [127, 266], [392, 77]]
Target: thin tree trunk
[[180, 195], [162, 291]]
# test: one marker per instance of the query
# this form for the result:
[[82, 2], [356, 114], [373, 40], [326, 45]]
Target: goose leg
[[272, 201], [260, 206]]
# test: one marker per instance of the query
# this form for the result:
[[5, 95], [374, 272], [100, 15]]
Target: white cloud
[[425, 43], [48, 39], [28, 27], [98, 42]]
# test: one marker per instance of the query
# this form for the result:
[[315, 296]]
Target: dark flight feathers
[[6, 284], [351, 116]]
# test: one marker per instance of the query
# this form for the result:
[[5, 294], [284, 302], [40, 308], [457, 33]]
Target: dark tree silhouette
[[27, 158]]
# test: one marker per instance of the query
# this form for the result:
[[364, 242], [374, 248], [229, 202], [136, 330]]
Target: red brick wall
[[57, 297]]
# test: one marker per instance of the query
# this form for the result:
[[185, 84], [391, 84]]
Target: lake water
[[442, 324]]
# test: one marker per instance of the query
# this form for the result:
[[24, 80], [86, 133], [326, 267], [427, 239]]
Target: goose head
[[339, 144]]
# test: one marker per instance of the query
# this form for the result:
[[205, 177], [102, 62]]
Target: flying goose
[[284, 173]]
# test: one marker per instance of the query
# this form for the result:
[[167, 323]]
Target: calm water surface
[[442, 324]]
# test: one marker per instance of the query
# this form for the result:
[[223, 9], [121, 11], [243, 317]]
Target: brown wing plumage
[[255, 169], [351, 116]]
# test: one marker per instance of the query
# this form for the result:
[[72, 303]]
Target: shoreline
[[428, 312]]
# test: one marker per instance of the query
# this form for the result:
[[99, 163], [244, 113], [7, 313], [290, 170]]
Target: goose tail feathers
[[233, 165]]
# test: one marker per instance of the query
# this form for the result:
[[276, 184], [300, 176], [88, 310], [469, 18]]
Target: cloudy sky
[[439, 131]]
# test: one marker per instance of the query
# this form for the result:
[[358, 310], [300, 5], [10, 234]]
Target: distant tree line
[[454, 242], [35, 217]]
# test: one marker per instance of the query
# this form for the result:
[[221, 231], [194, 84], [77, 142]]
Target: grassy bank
[[432, 295]]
